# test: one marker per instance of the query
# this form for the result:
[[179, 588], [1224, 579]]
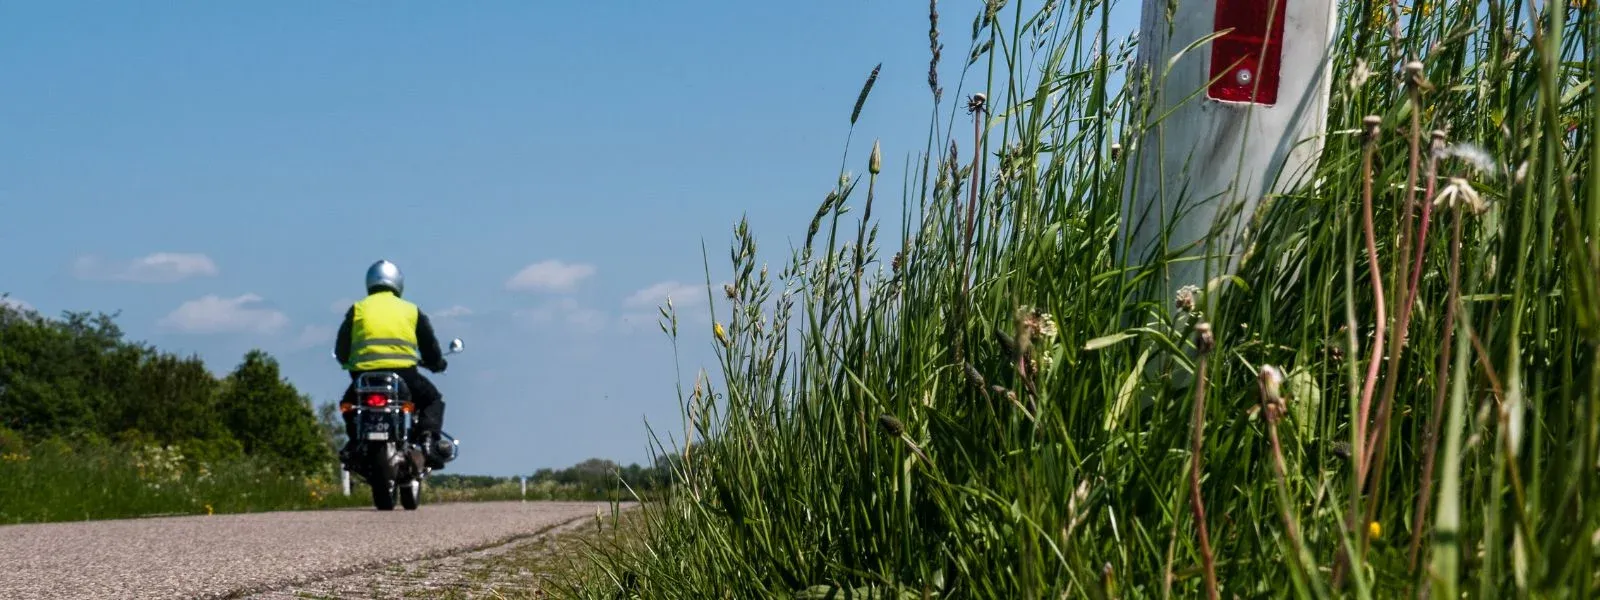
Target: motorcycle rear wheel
[[383, 493]]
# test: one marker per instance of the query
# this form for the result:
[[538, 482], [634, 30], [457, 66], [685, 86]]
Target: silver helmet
[[385, 274]]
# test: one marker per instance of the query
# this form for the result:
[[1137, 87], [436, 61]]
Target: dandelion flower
[[1374, 529]]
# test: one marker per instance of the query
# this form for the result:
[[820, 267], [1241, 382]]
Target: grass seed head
[[936, 48], [1341, 450], [1048, 329], [1359, 75], [1185, 300], [890, 426]]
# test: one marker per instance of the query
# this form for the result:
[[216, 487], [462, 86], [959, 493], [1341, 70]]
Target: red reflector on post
[[1238, 64], [377, 400]]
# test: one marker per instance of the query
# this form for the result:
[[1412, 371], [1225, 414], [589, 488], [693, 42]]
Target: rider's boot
[[430, 450]]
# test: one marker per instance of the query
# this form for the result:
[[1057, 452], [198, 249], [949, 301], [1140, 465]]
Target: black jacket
[[432, 356]]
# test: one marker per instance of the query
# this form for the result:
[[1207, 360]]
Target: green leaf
[[1107, 340]]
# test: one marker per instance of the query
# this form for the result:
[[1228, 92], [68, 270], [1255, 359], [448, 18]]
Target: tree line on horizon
[[590, 475], [78, 379]]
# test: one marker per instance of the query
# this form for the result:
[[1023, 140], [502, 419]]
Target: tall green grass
[[972, 416], [57, 481]]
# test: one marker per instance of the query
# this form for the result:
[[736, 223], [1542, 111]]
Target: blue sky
[[544, 173]]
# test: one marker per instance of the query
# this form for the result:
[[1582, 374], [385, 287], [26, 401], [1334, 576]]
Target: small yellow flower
[[1374, 529], [722, 336], [208, 509]]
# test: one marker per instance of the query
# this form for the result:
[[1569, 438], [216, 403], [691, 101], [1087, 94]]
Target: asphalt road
[[225, 555]]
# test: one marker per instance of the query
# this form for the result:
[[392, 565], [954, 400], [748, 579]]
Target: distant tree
[[78, 379], [271, 419], [176, 398], [332, 424]]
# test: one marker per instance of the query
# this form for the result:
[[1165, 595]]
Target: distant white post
[[524, 488], [1255, 130], [344, 480]]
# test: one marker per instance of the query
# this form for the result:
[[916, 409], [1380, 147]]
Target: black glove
[[440, 366]]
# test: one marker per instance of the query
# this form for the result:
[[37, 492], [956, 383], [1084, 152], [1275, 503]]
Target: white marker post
[[344, 480], [1254, 131], [524, 488]]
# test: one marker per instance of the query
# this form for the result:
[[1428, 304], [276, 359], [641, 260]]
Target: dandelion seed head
[[1360, 74], [1458, 193], [977, 102], [1474, 155]]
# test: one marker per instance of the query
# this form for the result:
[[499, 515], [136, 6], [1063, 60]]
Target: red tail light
[[377, 400], [1238, 65]]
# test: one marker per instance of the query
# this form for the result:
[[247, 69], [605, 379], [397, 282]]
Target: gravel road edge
[[348, 570]]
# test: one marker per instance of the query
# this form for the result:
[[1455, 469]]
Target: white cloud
[[565, 311], [549, 276], [15, 304], [214, 314], [454, 312], [161, 267], [656, 295]]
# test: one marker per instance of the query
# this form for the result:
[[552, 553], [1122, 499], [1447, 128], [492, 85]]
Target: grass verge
[[55, 481], [1397, 393]]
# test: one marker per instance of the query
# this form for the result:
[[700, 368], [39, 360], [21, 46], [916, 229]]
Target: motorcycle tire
[[411, 495], [383, 493]]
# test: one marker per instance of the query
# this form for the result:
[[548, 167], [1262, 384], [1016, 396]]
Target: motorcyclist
[[386, 333]]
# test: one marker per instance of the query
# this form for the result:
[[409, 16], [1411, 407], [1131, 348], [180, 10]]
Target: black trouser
[[429, 403]]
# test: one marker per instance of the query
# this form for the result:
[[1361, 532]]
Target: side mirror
[[455, 346]]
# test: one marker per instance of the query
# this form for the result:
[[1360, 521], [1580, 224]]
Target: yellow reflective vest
[[383, 333]]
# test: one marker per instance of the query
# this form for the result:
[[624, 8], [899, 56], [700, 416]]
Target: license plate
[[378, 435]]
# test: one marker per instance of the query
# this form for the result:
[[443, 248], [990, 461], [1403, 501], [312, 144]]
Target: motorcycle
[[392, 463]]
